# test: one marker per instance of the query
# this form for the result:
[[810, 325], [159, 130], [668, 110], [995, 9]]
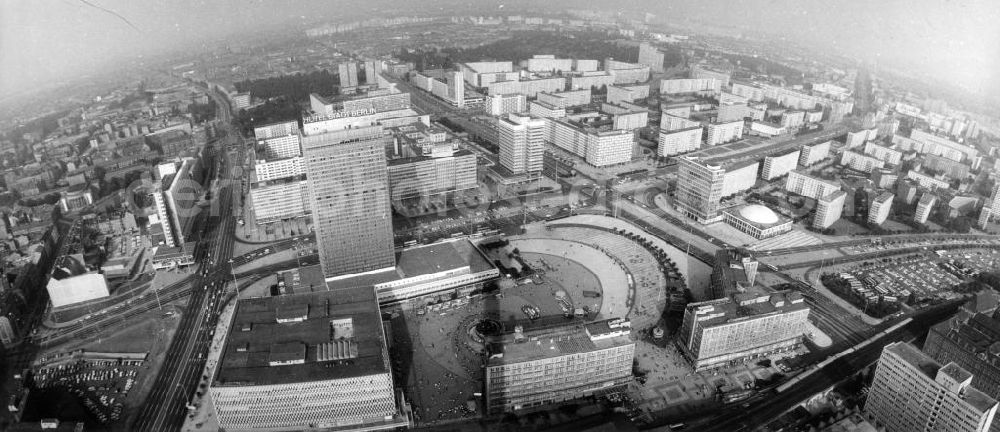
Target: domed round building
[[756, 220]]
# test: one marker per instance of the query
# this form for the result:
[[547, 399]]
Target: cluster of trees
[[524, 45], [202, 112], [842, 288], [275, 110], [296, 86]]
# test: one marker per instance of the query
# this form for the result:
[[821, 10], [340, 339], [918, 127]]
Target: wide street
[[176, 383]]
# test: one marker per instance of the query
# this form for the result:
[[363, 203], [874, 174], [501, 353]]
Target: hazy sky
[[45, 39]]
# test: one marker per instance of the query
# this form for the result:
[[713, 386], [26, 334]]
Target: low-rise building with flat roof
[[314, 360], [742, 327], [531, 368], [449, 267]]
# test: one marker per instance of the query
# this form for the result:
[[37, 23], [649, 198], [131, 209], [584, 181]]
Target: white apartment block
[[543, 109], [564, 99], [924, 208], [690, 85], [285, 146], [274, 169], [792, 119], [880, 208], [627, 93], [927, 181], [498, 105], [529, 88], [522, 143], [739, 178], [883, 153], [598, 147], [779, 165], [829, 208], [861, 162], [721, 133], [591, 79], [548, 63], [276, 129], [803, 184], [811, 154], [282, 199], [913, 392], [678, 141], [856, 139], [627, 73]]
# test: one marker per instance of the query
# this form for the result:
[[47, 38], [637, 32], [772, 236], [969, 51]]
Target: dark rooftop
[[326, 335]]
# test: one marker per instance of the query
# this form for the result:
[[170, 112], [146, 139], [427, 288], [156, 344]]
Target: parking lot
[[100, 382]]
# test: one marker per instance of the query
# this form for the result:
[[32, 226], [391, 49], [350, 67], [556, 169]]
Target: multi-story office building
[[883, 153], [280, 147], [779, 164], [442, 171], [880, 208], [348, 74], [861, 162], [700, 186], [721, 133], [829, 208], [176, 197], [699, 189], [707, 86], [345, 120], [912, 392], [349, 198], [522, 143], [924, 208], [627, 93], [679, 141], [650, 56], [315, 360], [741, 328], [811, 154], [531, 368], [275, 130], [388, 99], [498, 105], [597, 143]]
